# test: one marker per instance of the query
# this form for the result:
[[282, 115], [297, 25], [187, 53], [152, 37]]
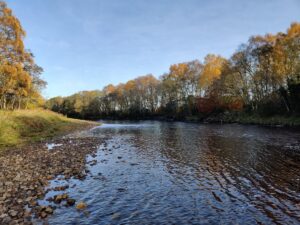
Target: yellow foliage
[[212, 70], [178, 71], [19, 75], [294, 30]]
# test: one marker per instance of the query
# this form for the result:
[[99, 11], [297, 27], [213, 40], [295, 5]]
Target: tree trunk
[[19, 103], [284, 96]]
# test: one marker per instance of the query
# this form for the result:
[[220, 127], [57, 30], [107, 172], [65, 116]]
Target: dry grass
[[17, 127]]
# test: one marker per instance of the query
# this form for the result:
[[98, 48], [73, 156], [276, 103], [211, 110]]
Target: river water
[[185, 173]]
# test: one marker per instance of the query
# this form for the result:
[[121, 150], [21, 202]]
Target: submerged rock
[[43, 214], [121, 189], [70, 202], [61, 188], [81, 206], [115, 216]]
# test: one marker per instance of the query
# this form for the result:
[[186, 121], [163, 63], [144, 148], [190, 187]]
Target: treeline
[[262, 77], [20, 81]]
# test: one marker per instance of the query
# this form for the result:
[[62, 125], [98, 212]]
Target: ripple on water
[[180, 173]]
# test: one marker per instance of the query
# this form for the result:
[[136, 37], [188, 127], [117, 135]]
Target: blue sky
[[85, 45]]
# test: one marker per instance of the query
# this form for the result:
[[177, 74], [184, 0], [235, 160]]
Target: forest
[[261, 78]]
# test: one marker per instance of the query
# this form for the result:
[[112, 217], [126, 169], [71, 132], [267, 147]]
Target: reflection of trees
[[255, 169], [233, 163]]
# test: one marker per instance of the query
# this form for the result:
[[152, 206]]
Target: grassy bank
[[242, 118], [17, 127], [291, 121]]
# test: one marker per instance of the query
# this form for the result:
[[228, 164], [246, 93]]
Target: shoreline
[[275, 121], [27, 171]]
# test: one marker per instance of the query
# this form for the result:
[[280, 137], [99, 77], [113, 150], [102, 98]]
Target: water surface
[[184, 173]]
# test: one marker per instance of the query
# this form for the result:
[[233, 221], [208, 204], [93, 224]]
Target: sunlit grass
[[17, 127]]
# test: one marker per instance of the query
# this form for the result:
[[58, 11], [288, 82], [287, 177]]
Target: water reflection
[[164, 173]]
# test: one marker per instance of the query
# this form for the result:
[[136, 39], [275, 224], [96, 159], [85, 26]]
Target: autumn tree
[[212, 69], [262, 76], [20, 82]]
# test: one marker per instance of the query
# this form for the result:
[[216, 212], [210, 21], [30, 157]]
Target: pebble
[[49, 210], [26, 171], [13, 213]]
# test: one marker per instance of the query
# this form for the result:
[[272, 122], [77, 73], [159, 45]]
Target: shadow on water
[[179, 173]]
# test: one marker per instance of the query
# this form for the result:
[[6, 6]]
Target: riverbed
[[185, 173]]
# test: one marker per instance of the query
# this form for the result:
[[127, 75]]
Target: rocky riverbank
[[27, 170]]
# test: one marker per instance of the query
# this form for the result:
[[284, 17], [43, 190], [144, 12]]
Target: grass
[[290, 121], [21, 126]]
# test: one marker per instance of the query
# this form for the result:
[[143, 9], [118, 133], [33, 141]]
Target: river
[[186, 173]]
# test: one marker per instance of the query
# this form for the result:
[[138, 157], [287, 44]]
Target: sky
[[88, 44]]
